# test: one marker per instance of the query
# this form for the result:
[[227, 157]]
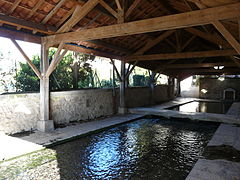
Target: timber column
[[152, 87], [122, 91], [44, 124]]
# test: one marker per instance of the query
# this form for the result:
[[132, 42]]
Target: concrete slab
[[160, 110], [12, 146], [226, 135], [215, 169]]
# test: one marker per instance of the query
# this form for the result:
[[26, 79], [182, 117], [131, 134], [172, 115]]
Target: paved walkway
[[160, 110], [228, 137], [12, 147]]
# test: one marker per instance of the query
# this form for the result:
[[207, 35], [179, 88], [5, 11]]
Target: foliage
[[72, 72]]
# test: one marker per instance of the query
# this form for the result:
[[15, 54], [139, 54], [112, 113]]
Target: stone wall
[[20, 112], [216, 87]]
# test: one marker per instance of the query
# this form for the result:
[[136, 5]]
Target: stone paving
[[160, 110], [219, 168], [38, 140]]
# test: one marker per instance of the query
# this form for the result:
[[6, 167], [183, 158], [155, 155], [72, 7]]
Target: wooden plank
[[183, 55], [134, 5], [35, 8], [108, 8], [188, 19], [14, 6], [19, 36], [34, 68], [69, 13], [53, 11], [151, 43], [27, 24], [228, 36], [79, 13]]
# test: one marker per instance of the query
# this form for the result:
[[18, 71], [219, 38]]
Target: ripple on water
[[146, 148]]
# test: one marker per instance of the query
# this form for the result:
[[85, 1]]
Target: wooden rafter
[[34, 68], [14, 6], [118, 4], [201, 65], [132, 7], [108, 8], [183, 55], [20, 36], [53, 11], [35, 8], [228, 36], [209, 37], [151, 43], [79, 13], [27, 24], [188, 19]]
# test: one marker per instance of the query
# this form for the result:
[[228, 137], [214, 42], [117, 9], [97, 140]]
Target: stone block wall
[[216, 87], [20, 112]]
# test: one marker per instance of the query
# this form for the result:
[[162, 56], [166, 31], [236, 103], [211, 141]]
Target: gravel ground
[[40, 165]]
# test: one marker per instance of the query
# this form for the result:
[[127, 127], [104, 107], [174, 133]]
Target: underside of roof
[[191, 36]]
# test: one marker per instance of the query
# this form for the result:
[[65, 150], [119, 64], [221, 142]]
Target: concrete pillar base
[[45, 126], [122, 110]]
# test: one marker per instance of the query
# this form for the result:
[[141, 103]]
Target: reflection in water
[[144, 149], [208, 107]]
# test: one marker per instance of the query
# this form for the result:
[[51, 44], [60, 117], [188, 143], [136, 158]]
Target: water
[[200, 106], [143, 149]]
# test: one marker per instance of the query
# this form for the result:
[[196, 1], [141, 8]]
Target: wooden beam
[[200, 65], [57, 58], [19, 36], [188, 19], [108, 8], [130, 70], [110, 46], [228, 36], [115, 68], [209, 37], [79, 13], [95, 52], [132, 7], [14, 6], [235, 61], [34, 68], [46, 29], [183, 55], [151, 43], [118, 5], [188, 42], [53, 11]]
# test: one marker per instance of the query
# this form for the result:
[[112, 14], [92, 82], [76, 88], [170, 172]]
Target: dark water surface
[[201, 106], [143, 149]]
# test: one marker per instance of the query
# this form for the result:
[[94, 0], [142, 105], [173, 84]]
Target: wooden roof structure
[[174, 37]]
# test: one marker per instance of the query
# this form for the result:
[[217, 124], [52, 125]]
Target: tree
[[62, 77]]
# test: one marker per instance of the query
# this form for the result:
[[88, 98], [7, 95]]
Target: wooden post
[[44, 124], [152, 87], [122, 105], [178, 87]]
